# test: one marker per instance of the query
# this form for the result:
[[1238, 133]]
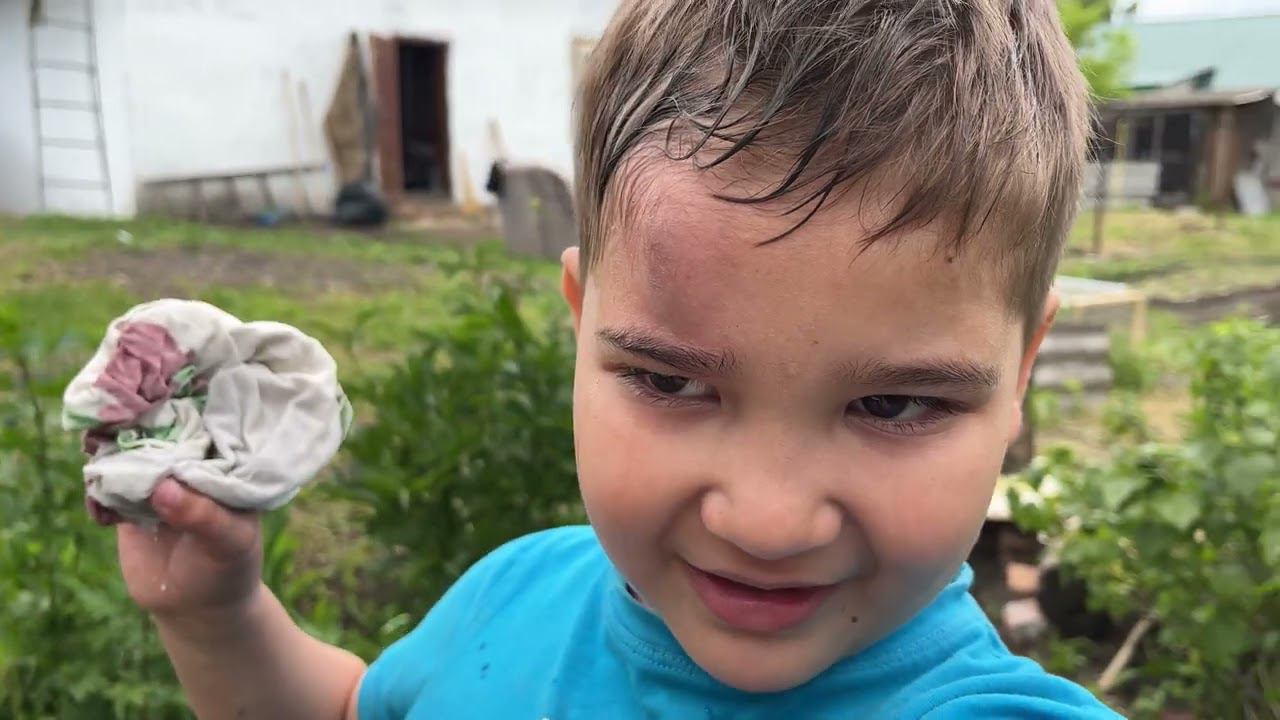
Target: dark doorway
[[424, 117], [1178, 156], [413, 116]]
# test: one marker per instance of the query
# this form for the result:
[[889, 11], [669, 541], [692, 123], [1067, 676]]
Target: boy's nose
[[770, 521]]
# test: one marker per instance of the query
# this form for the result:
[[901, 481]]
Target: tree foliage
[[1104, 51]]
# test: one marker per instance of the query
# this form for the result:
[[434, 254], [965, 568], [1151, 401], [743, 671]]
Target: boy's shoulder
[[994, 683], [503, 619], [578, 541], [558, 556], [951, 663], [559, 563]]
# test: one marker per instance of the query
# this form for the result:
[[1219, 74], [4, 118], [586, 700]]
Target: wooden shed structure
[[1204, 115]]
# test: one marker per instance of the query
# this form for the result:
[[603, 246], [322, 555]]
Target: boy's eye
[[903, 414], [889, 407], [672, 385], [658, 386], [667, 384]]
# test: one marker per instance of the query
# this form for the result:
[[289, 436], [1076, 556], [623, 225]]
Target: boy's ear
[[571, 284], [1051, 305], [1029, 352]]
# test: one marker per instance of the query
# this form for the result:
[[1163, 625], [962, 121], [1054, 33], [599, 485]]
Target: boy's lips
[[758, 608]]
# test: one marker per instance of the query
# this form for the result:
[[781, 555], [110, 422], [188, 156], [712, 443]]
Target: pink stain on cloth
[[246, 413], [140, 373]]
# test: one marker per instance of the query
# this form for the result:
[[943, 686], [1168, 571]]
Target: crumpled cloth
[[244, 412]]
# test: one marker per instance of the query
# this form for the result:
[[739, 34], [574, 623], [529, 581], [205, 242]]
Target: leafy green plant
[[1045, 407], [1187, 534], [1131, 369], [1124, 419], [1064, 656], [71, 643], [471, 445], [1162, 359]]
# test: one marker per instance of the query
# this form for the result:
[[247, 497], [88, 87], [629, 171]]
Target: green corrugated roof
[[1245, 51]]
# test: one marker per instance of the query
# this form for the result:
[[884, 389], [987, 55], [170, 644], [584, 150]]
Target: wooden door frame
[[385, 51]]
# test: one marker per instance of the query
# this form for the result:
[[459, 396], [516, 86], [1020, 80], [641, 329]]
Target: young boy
[[817, 240]]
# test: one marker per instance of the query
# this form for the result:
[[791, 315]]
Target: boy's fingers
[[224, 532]]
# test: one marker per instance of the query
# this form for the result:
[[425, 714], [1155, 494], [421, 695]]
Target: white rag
[[244, 412]]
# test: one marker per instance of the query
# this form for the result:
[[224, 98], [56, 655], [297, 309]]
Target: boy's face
[[786, 449]]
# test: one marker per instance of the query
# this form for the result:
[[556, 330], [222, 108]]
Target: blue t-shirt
[[544, 629]]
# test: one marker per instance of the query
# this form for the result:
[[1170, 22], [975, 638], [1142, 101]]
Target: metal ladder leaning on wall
[[46, 144]]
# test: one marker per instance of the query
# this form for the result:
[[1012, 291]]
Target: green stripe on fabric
[[182, 380], [73, 420]]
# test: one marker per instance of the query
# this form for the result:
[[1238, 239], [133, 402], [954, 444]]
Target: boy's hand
[[203, 558], [236, 651]]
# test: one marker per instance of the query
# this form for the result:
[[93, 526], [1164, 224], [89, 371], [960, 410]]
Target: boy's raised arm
[[236, 651]]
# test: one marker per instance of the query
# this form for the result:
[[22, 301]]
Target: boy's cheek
[[626, 484], [932, 509], [920, 545], [615, 456]]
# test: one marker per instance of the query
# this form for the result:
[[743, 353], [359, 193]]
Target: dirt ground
[[1261, 302], [169, 271]]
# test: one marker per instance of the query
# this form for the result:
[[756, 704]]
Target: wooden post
[[302, 204], [313, 148], [1104, 183], [1138, 326], [386, 92], [1223, 165], [197, 197], [264, 183], [233, 197]]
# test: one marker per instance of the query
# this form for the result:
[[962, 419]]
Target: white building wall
[[113, 41], [17, 132], [208, 92], [196, 87]]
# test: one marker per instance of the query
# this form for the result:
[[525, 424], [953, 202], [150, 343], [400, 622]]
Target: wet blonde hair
[[974, 108]]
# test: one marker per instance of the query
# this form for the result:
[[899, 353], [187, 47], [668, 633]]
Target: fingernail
[[167, 495]]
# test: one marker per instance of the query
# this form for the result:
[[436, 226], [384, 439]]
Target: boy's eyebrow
[[960, 374], [686, 358]]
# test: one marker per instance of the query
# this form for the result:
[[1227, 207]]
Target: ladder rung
[[74, 183], [75, 143], [64, 24], [63, 65], [66, 105]]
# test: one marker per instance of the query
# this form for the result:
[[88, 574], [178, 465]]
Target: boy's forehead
[[670, 221], [680, 258], [670, 224]]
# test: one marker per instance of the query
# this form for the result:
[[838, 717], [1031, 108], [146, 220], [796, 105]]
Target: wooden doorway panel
[[386, 89]]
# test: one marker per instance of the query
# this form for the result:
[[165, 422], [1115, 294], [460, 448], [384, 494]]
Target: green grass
[[73, 276], [67, 237], [1178, 255]]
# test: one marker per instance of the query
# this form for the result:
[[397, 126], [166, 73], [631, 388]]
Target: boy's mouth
[[753, 608]]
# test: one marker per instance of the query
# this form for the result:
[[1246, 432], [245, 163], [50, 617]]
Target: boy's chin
[[762, 665]]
